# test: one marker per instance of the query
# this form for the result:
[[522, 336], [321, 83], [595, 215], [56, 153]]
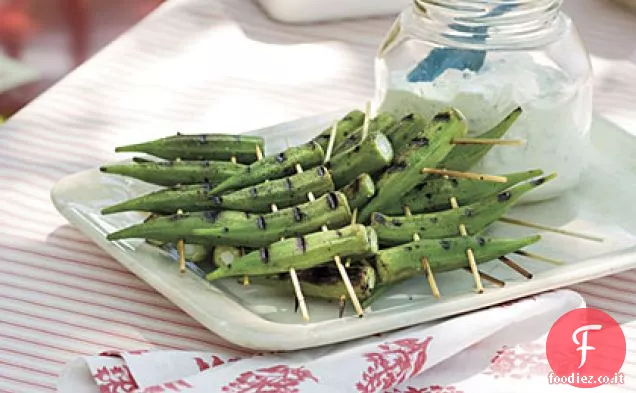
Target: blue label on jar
[[441, 59]]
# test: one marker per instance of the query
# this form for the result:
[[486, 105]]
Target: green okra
[[142, 160], [213, 147], [285, 192], [425, 151], [476, 217], [382, 123], [371, 156], [274, 167], [359, 191], [225, 255], [196, 253], [409, 128], [303, 252], [241, 229], [434, 194], [171, 173], [324, 282], [464, 157], [351, 122], [443, 255]]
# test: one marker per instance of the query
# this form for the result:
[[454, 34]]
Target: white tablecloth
[[199, 66]]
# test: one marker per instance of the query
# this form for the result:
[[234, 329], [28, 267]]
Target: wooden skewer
[[527, 224], [486, 141], [299, 294], [367, 120], [489, 278], [479, 287], [332, 140], [181, 250], [292, 272], [181, 242], [464, 175], [539, 257], [341, 269], [514, 266], [427, 267], [431, 278]]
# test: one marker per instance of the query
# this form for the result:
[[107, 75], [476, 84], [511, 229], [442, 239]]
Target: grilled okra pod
[[409, 128], [434, 194], [370, 156], [285, 192], [171, 173], [476, 217], [217, 147], [351, 122], [443, 255], [324, 282], [359, 191], [425, 151], [464, 157], [241, 229], [277, 166], [303, 252], [382, 123]]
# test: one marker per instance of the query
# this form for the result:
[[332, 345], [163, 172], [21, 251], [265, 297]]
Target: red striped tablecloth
[[198, 66]]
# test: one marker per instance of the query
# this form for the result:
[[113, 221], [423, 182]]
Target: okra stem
[[371, 156], [359, 191], [407, 129]]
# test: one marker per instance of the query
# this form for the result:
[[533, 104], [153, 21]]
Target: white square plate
[[261, 318]]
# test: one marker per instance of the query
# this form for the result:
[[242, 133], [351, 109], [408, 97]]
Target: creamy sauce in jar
[[554, 125]]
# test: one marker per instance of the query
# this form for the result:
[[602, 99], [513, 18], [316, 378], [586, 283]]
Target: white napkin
[[488, 348]]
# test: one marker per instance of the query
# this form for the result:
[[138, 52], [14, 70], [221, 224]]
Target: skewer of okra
[[431, 146], [343, 273], [394, 230]]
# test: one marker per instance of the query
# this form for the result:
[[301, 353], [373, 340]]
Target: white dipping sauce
[[555, 121]]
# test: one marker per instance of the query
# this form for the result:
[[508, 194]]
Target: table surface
[[199, 66]]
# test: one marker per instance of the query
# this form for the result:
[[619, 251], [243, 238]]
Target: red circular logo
[[586, 348]]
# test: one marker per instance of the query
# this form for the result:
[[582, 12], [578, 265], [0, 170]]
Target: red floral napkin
[[492, 347]]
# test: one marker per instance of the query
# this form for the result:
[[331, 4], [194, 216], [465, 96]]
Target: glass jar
[[486, 58]]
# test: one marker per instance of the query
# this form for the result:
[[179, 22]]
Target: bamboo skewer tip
[[516, 267], [332, 142], [527, 224]]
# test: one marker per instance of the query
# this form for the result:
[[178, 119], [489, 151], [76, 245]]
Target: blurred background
[[43, 40]]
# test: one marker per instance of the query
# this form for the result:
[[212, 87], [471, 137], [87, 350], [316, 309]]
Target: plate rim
[[271, 335]]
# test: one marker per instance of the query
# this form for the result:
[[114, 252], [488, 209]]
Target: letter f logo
[[583, 344]]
